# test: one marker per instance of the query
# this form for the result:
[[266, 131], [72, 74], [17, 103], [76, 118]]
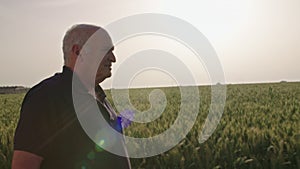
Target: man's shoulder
[[47, 87]]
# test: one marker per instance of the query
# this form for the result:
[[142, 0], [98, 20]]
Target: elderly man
[[49, 133]]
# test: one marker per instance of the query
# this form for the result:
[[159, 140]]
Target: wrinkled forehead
[[99, 41], [97, 46]]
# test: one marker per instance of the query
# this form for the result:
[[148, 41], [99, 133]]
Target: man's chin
[[99, 80], [108, 75]]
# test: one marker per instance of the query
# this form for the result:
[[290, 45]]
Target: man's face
[[104, 69]]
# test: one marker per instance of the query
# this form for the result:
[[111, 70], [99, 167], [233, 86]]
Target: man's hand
[[126, 118], [26, 160]]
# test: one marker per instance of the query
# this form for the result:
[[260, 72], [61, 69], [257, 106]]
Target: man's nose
[[112, 57]]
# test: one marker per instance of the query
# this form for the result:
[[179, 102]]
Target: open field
[[259, 129]]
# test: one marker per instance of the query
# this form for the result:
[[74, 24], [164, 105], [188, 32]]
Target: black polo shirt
[[49, 127]]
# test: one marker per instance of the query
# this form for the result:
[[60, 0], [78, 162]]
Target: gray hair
[[77, 35]]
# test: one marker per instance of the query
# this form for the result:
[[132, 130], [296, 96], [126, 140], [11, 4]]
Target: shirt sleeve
[[34, 126]]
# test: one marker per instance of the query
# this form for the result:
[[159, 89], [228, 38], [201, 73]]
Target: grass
[[259, 128]]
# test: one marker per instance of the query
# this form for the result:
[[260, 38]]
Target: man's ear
[[76, 49]]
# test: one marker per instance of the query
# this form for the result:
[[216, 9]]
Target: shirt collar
[[99, 92]]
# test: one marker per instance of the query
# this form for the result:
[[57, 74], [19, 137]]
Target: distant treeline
[[22, 89], [13, 89]]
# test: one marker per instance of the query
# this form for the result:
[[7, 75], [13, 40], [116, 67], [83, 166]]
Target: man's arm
[[26, 160]]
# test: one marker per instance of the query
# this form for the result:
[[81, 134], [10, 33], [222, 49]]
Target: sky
[[255, 40]]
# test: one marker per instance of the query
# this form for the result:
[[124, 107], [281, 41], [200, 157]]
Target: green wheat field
[[259, 129]]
